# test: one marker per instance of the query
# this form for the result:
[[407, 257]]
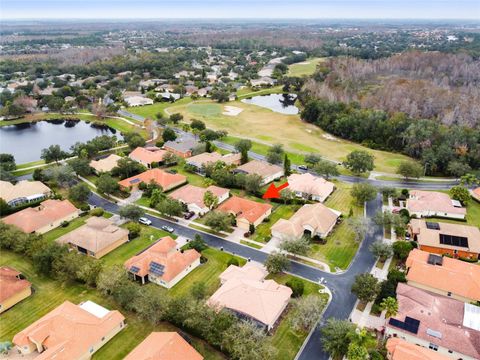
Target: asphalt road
[[342, 301]]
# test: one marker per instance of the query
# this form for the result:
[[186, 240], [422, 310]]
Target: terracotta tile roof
[[164, 252], [399, 349], [68, 331], [10, 283], [431, 237], [439, 314], [244, 208], [22, 189], [32, 219], [261, 300], [262, 168], [206, 158], [420, 201], [250, 271], [164, 346], [97, 234], [309, 184], [147, 155], [455, 276], [476, 193], [105, 164], [164, 179], [190, 194], [315, 216]]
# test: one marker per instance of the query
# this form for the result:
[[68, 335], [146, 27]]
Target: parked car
[[303, 167], [189, 215], [168, 228], [144, 221]]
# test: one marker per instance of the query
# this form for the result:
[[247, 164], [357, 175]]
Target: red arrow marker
[[273, 192]]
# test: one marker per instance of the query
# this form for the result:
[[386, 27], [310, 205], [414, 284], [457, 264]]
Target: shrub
[[65, 223], [232, 261], [297, 287], [134, 230], [85, 208], [97, 212], [468, 259]]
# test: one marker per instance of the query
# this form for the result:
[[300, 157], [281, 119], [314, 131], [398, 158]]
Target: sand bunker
[[304, 63], [231, 110], [329, 137]]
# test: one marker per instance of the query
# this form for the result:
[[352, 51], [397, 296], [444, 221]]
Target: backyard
[[262, 232]]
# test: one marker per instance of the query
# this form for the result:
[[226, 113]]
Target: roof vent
[[434, 333]]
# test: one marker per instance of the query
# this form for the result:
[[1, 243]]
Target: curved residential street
[[342, 302]]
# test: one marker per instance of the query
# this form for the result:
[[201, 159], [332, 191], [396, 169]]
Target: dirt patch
[[231, 110], [329, 137]]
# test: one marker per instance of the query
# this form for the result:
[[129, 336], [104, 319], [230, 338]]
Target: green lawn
[[149, 111], [304, 68], [341, 246], [49, 294], [32, 163], [285, 340], [248, 92], [262, 232], [147, 237], [60, 231]]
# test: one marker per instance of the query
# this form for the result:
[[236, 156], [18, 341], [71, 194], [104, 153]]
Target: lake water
[[26, 141], [281, 103]]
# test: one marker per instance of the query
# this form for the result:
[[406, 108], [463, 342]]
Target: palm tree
[[390, 305]]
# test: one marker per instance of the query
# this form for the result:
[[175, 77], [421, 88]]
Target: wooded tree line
[[429, 85], [453, 150]]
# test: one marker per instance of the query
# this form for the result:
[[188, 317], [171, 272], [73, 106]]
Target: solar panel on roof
[[134, 181], [433, 225], [453, 240], [435, 259], [410, 324], [156, 268], [134, 269]]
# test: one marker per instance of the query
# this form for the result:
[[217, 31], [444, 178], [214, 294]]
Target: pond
[[281, 103], [26, 141]]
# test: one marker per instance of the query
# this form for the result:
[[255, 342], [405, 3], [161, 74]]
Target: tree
[[4, 207], [460, 193], [359, 161], [365, 287], [390, 305], [359, 226], [248, 342], [458, 168], [199, 290], [131, 212], [210, 200], [312, 159], [197, 243], [243, 146], [170, 158], [277, 262], [127, 167], [79, 192], [7, 162], [134, 140], [469, 179], [81, 166], [198, 125], [253, 183], [169, 134], [357, 352], [134, 230], [297, 287], [176, 118], [409, 169], [307, 312], [297, 246], [286, 165], [326, 169], [218, 221], [381, 250], [336, 336], [275, 154], [106, 184], [53, 154], [401, 249], [363, 192], [63, 176]]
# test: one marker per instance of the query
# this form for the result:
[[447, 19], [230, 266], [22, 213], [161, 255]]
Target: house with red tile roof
[[147, 155], [70, 332], [164, 346], [162, 263], [476, 193], [448, 326], [432, 203], [193, 197], [247, 295], [42, 218], [13, 288], [247, 212], [398, 349], [160, 177], [308, 186], [442, 275], [442, 238], [314, 220]]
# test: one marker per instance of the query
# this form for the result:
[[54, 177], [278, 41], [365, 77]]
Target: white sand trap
[[304, 63], [329, 137], [231, 110]]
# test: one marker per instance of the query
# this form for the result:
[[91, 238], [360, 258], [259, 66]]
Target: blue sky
[[312, 9]]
